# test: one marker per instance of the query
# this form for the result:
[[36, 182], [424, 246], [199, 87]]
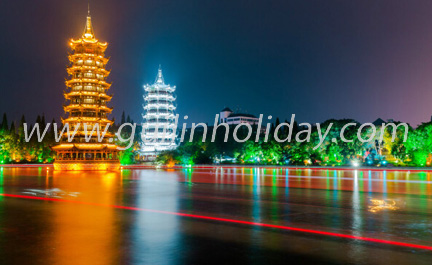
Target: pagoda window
[[89, 156], [90, 75], [89, 114], [89, 101], [79, 62]]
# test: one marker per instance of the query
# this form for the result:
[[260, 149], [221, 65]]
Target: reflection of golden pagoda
[[87, 105]]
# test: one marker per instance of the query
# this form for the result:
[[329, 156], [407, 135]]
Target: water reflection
[[377, 181], [75, 227], [354, 202], [380, 205], [157, 234]]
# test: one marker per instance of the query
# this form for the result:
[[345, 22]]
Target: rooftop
[[241, 115]]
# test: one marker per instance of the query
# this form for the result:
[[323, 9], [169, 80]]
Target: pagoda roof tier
[[153, 88], [88, 80], [160, 123], [87, 106], [87, 120], [166, 136], [88, 42], [87, 93], [84, 146], [76, 56], [75, 68], [155, 115], [158, 105], [88, 38], [81, 132], [164, 96]]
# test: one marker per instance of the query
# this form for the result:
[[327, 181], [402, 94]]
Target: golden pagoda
[[87, 96]]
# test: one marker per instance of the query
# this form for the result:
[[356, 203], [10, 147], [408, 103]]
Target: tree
[[126, 157], [394, 147], [123, 118], [419, 144], [168, 158], [12, 128], [4, 125], [39, 120], [43, 121], [21, 126]]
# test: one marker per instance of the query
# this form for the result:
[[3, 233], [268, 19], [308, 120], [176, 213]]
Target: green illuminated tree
[[419, 144]]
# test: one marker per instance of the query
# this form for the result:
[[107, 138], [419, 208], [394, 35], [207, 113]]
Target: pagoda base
[[86, 165]]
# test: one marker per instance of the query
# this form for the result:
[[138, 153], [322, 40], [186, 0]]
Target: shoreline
[[142, 166]]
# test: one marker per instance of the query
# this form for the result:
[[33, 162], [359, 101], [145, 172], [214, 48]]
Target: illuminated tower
[[159, 125], [87, 96]]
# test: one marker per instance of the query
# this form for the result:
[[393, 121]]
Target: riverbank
[[148, 166]]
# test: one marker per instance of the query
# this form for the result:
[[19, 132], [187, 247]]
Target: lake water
[[215, 216]]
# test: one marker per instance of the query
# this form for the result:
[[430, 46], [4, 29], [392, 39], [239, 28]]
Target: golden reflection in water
[[86, 234], [380, 205]]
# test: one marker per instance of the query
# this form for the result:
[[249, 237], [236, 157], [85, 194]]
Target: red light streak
[[203, 217]]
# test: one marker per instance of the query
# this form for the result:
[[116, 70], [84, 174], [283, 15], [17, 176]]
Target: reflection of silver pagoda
[[159, 128]]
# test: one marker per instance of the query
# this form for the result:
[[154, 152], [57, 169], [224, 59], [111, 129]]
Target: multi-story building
[[88, 98], [159, 129], [228, 116]]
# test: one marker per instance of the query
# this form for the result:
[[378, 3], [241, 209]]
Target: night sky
[[359, 59]]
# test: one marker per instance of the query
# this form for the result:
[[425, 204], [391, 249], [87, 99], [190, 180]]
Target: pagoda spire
[[88, 30], [159, 78]]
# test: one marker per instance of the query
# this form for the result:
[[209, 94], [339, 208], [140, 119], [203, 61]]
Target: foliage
[[416, 151], [419, 144], [14, 149]]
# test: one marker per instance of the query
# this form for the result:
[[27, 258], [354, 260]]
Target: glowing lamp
[[355, 163]]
